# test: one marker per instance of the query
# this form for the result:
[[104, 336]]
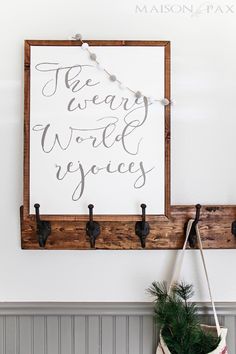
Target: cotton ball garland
[[151, 99], [121, 86], [78, 37], [138, 94], [112, 77], [85, 46], [93, 56], [165, 102], [100, 67]]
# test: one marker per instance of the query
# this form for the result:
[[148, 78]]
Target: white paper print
[[90, 141]]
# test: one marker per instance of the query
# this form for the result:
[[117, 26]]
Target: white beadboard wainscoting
[[89, 328]]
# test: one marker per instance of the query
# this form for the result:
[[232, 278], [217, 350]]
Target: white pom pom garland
[[112, 77], [84, 45]]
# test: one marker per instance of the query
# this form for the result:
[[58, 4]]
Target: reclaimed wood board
[[215, 227]]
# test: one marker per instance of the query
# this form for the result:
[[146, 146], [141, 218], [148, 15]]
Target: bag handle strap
[[208, 281], [178, 268]]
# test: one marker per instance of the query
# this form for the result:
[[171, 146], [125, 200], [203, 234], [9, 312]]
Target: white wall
[[203, 147]]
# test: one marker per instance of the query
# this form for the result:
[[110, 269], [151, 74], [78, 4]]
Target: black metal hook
[[142, 228], [192, 239], [92, 227], [233, 228], [43, 227]]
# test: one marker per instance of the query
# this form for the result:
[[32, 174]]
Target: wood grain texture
[[28, 44], [215, 226]]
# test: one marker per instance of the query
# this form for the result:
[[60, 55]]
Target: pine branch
[[158, 290], [179, 321], [184, 291]]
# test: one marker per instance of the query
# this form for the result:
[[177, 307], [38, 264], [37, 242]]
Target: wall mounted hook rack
[[142, 228], [92, 227], [216, 230], [43, 228]]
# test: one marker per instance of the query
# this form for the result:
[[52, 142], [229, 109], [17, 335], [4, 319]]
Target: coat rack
[[215, 225]]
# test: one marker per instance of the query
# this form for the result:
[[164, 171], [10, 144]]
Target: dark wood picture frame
[[28, 44]]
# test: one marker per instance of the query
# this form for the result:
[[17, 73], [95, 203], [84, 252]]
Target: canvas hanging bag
[[220, 331]]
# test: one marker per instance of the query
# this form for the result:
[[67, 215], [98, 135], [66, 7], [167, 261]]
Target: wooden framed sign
[[91, 139]]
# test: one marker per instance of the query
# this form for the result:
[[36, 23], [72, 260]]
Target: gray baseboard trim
[[100, 308]]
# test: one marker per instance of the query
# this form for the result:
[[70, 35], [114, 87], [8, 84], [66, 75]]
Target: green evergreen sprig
[[179, 321]]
